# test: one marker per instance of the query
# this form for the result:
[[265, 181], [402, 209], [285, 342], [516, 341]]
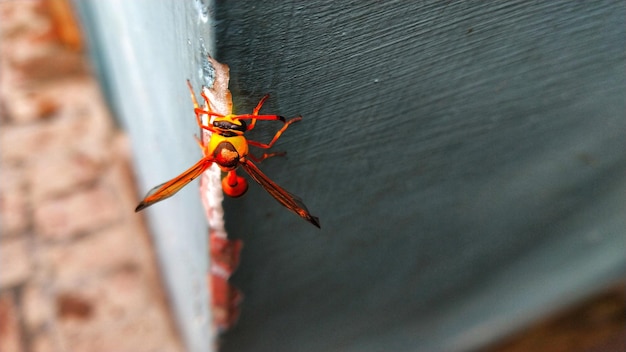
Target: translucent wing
[[170, 187], [285, 198]]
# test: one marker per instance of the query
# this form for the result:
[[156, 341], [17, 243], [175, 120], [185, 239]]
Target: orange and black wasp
[[228, 148]]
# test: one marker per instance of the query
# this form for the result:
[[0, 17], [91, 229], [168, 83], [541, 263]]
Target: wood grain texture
[[466, 160]]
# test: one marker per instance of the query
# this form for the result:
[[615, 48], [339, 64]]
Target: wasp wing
[[170, 187], [290, 201]]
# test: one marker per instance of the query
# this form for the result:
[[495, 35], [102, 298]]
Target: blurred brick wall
[[77, 272]]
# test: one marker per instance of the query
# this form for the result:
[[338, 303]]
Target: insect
[[228, 148]]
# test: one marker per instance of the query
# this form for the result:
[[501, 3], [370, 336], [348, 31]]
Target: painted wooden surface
[[145, 51], [466, 161]]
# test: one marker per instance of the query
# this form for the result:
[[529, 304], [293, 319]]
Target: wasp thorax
[[226, 155]]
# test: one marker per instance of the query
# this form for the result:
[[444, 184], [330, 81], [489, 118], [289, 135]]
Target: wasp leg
[[276, 136], [255, 112], [199, 141], [193, 95], [258, 117], [265, 156], [200, 111], [255, 115], [258, 106]]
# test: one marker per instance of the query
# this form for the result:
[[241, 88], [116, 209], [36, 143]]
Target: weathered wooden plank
[[451, 151]]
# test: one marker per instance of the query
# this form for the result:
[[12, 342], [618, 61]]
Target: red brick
[[46, 341], [68, 176], [97, 254], [28, 106], [15, 261], [60, 174], [82, 125], [31, 46], [13, 216], [20, 143], [20, 19], [13, 202], [13, 141], [37, 304], [115, 313], [76, 214], [10, 333]]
